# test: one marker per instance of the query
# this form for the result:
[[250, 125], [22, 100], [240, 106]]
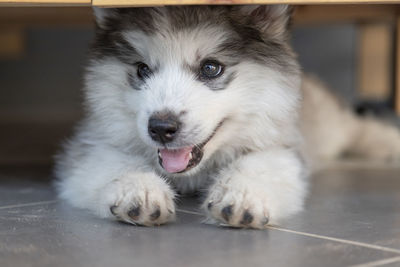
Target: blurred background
[[43, 53]]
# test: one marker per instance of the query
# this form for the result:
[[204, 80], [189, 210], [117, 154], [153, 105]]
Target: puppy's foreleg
[[260, 188], [112, 184]]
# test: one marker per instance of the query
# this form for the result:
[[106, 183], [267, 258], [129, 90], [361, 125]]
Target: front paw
[[238, 205], [142, 200]]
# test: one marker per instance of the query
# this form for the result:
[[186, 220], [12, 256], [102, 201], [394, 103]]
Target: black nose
[[163, 127]]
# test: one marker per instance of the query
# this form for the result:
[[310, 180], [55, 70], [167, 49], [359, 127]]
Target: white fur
[[251, 163], [267, 184], [331, 130]]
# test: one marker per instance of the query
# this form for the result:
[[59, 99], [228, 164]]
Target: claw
[[113, 210], [265, 221]]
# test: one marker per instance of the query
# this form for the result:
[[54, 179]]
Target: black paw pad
[[155, 215], [134, 213], [209, 205], [113, 210], [247, 218], [226, 212]]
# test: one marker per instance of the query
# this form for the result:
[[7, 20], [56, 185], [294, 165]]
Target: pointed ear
[[272, 20], [102, 14]]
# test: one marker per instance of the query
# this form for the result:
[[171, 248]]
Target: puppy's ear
[[271, 20], [102, 15]]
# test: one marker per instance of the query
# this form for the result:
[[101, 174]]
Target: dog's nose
[[163, 127]]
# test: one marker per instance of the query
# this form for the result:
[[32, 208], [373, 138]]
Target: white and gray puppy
[[182, 99]]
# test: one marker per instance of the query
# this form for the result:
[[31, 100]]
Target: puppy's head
[[181, 83]]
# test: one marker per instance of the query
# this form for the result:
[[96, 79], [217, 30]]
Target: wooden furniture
[[109, 3]]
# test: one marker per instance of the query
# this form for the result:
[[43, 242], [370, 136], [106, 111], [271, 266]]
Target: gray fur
[[246, 38]]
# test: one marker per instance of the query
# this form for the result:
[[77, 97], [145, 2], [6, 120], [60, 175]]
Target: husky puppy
[[182, 99]]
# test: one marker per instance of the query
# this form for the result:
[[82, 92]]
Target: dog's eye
[[211, 69], [143, 71]]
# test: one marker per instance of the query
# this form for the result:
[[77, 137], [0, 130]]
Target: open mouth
[[182, 159]]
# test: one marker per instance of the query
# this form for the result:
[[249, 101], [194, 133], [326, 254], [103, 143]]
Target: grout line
[[345, 241], [378, 263], [340, 240], [27, 204], [361, 244], [190, 212]]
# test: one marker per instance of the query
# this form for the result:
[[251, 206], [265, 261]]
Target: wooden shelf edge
[[139, 3], [44, 3]]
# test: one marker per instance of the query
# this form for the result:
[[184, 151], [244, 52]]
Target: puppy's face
[[189, 81]]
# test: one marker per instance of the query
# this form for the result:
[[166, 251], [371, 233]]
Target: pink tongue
[[175, 160]]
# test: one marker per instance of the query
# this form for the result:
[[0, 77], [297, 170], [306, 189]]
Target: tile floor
[[352, 219]]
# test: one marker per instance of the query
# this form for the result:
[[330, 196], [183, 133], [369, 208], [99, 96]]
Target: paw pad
[[134, 213], [155, 215], [226, 212], [247, 218]]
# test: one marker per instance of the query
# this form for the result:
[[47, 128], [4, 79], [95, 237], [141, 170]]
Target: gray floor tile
[[22, 185], [388, 262], [392, 264], [55, 234], [354, 205], [24, 194], [360, 205]]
